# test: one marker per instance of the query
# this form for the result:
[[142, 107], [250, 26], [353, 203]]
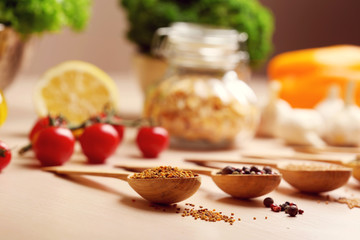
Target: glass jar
[[201, 101]]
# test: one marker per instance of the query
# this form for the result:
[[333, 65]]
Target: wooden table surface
[[36, 205]]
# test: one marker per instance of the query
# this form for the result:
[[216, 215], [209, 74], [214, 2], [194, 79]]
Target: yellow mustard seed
[[208, 215], [163, 172]]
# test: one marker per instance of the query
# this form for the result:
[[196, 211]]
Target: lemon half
[[75, 90]]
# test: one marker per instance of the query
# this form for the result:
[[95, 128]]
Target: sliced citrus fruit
[[3, 108], [76, 90]]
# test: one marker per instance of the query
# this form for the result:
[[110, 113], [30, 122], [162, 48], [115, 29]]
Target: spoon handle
[[136, 168], [88, 171], [326, 149], [296, 156], [205, 162]]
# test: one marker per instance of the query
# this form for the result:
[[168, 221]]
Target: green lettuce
[[38, 16]]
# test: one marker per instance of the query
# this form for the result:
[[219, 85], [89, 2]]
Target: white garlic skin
[[274, 110], [332, 104], [270, 117], [344, 128], [302, 127]]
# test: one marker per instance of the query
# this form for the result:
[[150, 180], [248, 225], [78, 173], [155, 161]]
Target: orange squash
[[307, 74]]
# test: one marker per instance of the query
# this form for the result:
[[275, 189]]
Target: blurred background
[[298, 24]]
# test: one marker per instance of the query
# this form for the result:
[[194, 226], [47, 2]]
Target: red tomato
[[5, 155], [120, 129], [53, 146], [98, 142], [152, 140], [39, 125], [43, 123], [113, 120]]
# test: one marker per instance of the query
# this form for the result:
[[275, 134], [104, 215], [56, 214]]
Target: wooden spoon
[[298, 156], [239, 186], [306, 180], [326, 149], [352, 162], [157, 190]]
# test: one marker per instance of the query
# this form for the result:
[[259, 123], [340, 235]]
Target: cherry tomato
[[120, 129], [98, 142], [152, 140], [5, 155], [114, 120], [53, 146], [39, 125], [43, 123]]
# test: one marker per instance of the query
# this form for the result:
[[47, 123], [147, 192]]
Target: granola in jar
[[202, 109], [201, 100]]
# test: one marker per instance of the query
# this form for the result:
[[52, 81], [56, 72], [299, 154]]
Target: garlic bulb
[[294, 126], [332, 104], [274, 110], [343, 129], [302, 127]]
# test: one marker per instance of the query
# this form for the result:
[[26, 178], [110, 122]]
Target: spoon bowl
[[356, 172], [348, 162], [246, 186], [308, 178], [238, 186], [165, 190], [156, 190]]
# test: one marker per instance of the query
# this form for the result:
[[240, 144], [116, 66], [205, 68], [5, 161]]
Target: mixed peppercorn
[[287, 207], [246, 170]]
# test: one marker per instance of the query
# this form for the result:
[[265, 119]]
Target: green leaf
[[38, 16]]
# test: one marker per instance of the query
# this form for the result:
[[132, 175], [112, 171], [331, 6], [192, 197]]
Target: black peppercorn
[[267, 170], [227, 170], [283, 206], [292, 210], [268, 201], [254, 169]]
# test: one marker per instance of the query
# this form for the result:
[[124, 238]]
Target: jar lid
[[207, 35], [196, 45]]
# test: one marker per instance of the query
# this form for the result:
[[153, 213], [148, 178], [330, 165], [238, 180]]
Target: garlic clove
[[302, 127], [332, 104], [270, 117], [274, 110], [343, 129]]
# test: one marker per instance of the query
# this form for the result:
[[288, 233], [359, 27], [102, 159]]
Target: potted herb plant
[[21, 19], [146, 16]]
